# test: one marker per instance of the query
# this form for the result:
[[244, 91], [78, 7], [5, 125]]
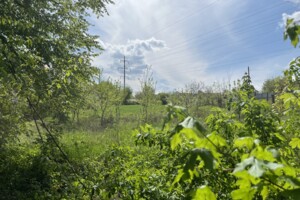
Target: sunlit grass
[[83, 144]]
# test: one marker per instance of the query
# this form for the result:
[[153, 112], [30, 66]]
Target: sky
[[189, 41]]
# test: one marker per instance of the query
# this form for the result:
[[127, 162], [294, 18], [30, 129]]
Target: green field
[[90, 139]]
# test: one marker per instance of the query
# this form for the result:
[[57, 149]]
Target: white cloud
[[181, 40], [172, 22], [134, 52], [135, 47], [295, 16]]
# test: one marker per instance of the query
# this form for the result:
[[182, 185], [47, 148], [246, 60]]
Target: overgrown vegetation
[[64, 136]]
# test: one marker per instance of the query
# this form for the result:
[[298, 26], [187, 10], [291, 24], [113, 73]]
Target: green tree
[[45, 52], [104, 97], [146, 96], [127, 95], [247, 85], [274, 85], [164, 97]]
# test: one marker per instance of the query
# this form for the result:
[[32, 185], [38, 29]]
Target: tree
[[163, 97], [45, 53], [127, 95], [274, 85], [247, 86], [147, 95], [104, 96]]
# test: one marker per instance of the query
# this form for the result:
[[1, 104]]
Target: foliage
[[247, 85], [45, 58], [249, 151], [104, 97], [147, 95], [195, 95], [292, 31], [130, 173], [274, 85], [127, 95], [163, 97], [252, 155], [45, 53]]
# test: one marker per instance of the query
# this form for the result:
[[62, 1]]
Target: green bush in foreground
[[254, 155]]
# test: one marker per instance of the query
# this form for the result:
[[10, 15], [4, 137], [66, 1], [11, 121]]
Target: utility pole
[[248, 71], [124, 71]]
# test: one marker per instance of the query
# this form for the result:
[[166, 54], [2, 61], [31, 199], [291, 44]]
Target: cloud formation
[[134, 51], [238, 34], [135, 47]]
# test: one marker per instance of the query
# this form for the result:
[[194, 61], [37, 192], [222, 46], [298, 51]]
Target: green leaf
[[295, 41], [190, 134], [68, 73], [292, 181], [244, 194], [244, 142], [217, 139], [258, 167], [175, 141], [80, 60], [295, 143], [206, 156], [204, 193], [178, 177], [263, 154], [264, 192], [280, 137], [246, 180], [58, 86], [199, 127], [293, 194]]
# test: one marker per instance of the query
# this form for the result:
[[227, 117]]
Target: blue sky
[[185, 41]]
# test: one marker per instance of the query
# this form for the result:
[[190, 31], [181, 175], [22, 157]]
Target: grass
[[130, 109], [88, 139], [80, 145]]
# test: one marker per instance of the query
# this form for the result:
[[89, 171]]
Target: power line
[[163, 58], [218, 64], [185, 17], [235, 20], [201, 36], [177, 48]]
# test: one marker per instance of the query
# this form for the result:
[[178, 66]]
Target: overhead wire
[[224, 64], [230, 23], [185, 17], [176, 51], [202, 39], [227, 24]]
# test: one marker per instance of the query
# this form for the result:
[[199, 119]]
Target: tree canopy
[[274, 85], [45, 53]]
